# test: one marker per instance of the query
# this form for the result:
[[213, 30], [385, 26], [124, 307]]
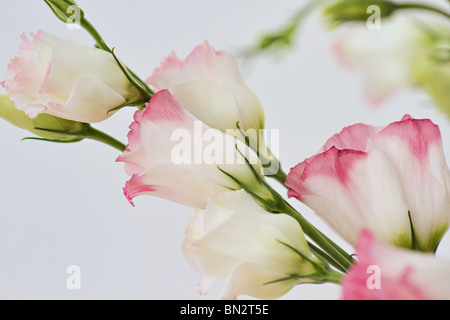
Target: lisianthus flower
[[173, 155], [254, 251], [393, 181], [384, 57], [65, 79], [384, 272], [209, 85]]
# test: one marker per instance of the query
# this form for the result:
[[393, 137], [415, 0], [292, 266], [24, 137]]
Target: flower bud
[[260, 254], [384, 59], [342, 11], [45, 126], [65, 10], [431, 70], [68, 80], [209, 84]]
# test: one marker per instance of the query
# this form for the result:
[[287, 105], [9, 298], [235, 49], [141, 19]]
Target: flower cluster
[[384, 189]]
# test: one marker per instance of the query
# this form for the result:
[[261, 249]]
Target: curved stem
[[95, 35], [419, 6], [280, 177], [97, 135], [279, 205]]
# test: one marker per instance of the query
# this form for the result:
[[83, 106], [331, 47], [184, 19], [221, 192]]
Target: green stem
[[102, 45], [338, 248], [280, 177], [95, 35], [97, 135], [338, 254], [334, 277], [319, 253], [279, 205], [419, 6], [149, 90]]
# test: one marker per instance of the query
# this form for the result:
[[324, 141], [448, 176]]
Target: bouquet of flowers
[[199, 139]]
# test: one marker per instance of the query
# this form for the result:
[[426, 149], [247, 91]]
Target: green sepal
[[323, 272], [261, 191], [321, 267], [49, 140], [67, 133], [143, 89], [139, 105], [317, 278], [414, 244], [325, 257]]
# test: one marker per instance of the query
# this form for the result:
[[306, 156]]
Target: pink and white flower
[[234, 239], [384, 272], [65, 79], [153, 159], [209, 85], [404, 53], [391, 181], [384, 58]]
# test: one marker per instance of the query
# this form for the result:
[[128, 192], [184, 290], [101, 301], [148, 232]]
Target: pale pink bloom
[[209, 85], [235, 240], [65, 79], [173, 155], [383, 272], [384, 57], [370, 177]]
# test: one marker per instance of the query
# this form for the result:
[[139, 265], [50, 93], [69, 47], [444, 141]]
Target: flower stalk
[[100, 136], [101, 44], [343, 259], [275, 203]]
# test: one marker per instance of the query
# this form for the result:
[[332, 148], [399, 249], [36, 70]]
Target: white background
[[63, 205]]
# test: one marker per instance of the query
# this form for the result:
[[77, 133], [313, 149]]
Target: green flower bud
[[434, 77], [342, 11], [67, 11], [46, 126], [431, 69]]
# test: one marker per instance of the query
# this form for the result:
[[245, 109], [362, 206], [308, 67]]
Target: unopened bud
[[67, 11], [342, 11], [46, 126]]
